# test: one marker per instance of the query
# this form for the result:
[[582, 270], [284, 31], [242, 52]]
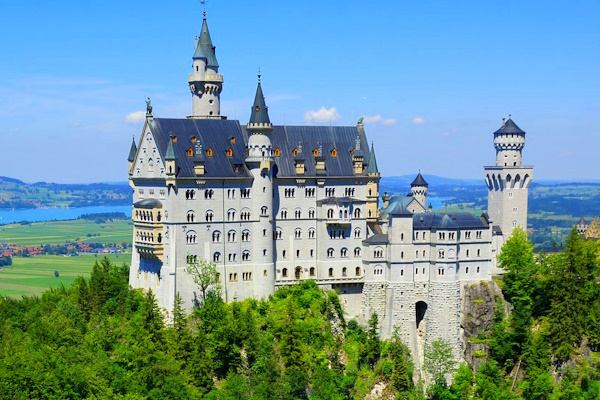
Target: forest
[[100, 339]]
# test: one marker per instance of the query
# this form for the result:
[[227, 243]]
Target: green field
[[55, 232], [33, 275]]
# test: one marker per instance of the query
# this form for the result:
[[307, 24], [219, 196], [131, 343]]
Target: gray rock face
[[478, 308]]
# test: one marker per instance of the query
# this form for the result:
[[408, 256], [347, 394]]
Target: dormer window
[[277, 152], [295, 152], [194, 139], [232, 139], [334, 152], [316, 152], [209, 152], [229, 152], [174, 139], [190, 152], [257, 108]]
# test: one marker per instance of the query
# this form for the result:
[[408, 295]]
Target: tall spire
[[170, 154], [259, 114], [132, 151], [205, 82], [372, 168]]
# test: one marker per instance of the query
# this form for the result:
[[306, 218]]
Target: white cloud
[[135, 117], [368, 119], [418, 120], [390, 121], [73, 124], [322, 115]]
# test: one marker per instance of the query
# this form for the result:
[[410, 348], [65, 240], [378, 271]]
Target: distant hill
[[17, 194]]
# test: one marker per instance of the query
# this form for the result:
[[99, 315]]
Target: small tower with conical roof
[[205, 82], [171, 165], [508, 181], [131, 158], [372, 187], [260, 161], [419, 188]]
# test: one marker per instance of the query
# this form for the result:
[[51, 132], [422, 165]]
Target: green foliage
[[205, 276], [439, 361]]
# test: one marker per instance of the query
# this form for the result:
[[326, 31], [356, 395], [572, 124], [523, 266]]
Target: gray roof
[[148, 203], [432, 220], [170, 154], [259, 113], [132, 151], [205, 43], [372, 167], [510, 127], [221, 134], [582, 221], [397, 206], [419, 181], [378, 238]]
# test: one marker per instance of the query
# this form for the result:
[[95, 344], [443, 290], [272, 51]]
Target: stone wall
[[374, 301]]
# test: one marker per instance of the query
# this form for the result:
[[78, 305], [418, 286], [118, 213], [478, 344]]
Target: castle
[[272, 205]]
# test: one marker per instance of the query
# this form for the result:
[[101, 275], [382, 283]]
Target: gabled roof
[[132, 151], [510, 127], [419, 181], [448, 221], [378, 238], [222, 134], [259, 114], [397, 206], [372, 167]]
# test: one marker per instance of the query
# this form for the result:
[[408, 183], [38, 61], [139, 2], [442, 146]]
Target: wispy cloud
[[135, 117], [322, 115], [451, 132], [377, 118], [418, 120], [73, 125]]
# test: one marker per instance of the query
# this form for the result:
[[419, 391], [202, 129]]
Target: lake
[[50, 214]]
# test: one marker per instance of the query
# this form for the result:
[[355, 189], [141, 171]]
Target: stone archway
[[421, 310]]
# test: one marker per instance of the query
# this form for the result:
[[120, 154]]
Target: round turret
[[509, 141]]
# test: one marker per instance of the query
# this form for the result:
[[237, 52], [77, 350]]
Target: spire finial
[[509, 116], [203, 2], [258, 75]]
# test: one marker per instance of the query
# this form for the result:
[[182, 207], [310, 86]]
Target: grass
[[55, 232], [33, 275]]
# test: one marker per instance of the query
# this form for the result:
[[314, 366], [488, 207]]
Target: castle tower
[[508, 181], [372, 187], [260, 162], [419, 188], [205, 81]]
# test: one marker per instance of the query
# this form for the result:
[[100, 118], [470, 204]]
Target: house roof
[[510, 127], [132, 151], [206, 45], [372, 167], [221, 134], [397, 206], [148, 203], [378, 238], [448, 221], [259, 113], [419, 181]]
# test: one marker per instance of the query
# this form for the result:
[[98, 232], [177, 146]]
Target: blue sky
[[432, 79]]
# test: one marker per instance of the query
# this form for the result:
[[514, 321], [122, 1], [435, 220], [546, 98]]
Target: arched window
[[344, 252], [284, 273], [312, 271], [246, 255], [191, 216], [209, 216], [311, 213], [231, 236], [216, 236], [216, 257], [298, 233], [190, 237], [357, 233], [357, 271], [230, 214], [298, 213], [330, 213], [298, 273], [150, 165], [357, 213], [311, 233], [344, 271], [330, 271], [245, 235], [357, 252], [264, 210], [330, 252]]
